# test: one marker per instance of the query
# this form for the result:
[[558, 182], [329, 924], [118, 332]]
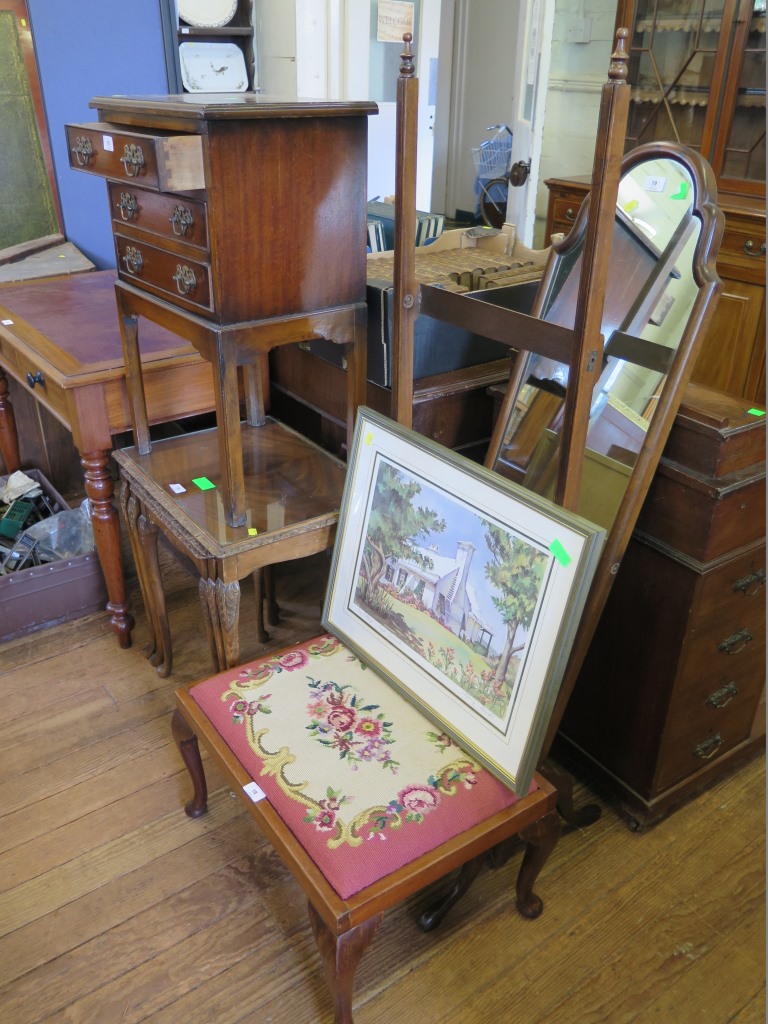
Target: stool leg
[[432, 917], [186, 741], [540, 838], [340, 955]]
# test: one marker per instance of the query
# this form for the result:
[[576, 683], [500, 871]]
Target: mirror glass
[[649, 297]]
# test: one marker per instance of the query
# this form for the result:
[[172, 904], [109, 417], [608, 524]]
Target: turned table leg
[[340, 955], [9, 437], [100, 488]]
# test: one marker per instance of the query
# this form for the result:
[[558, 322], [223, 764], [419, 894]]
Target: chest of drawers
[[671, 692], [239, 224]]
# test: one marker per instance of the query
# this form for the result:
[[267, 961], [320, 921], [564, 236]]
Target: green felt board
[[26, 203]]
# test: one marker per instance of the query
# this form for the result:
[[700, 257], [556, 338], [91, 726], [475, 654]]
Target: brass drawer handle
[[128, 206], [132, 160], [751, 583], [709, 747], [735, 643], [570, 214], [181, 220], [133, 260], [722, 697], [83, 150], [185, 279], [35, 378], [750, 250]]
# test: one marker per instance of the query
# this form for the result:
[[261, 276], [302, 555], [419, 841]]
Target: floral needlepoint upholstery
[[364, 781]]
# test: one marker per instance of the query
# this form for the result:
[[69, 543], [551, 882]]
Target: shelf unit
[[238, 30]]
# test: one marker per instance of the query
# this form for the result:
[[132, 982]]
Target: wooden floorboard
[[115, 908]]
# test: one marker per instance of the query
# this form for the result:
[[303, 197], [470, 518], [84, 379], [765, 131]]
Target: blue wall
[[89, 48]]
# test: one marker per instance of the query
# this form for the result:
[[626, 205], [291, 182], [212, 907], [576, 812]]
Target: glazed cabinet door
[[697, 71], [739, 156]]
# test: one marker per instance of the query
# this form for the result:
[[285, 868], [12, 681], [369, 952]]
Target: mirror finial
[[617, 70], [406, 57]]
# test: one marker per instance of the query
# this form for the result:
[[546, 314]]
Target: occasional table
[[61, 338], [292, 495]]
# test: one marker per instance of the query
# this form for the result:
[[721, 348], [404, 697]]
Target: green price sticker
[[204, 483], [559, 552]]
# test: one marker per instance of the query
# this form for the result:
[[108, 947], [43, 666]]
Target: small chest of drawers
[[671, 692], [239, 224]]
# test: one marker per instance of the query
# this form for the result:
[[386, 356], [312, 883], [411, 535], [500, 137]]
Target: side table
[[61, 338], [292, 492]]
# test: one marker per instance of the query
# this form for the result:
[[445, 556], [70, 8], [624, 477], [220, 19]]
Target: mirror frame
[[709, 287]]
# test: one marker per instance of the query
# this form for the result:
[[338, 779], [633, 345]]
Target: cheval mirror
[[660, 294], [607, 351]]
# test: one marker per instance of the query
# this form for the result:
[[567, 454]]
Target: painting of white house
[[457, 589]]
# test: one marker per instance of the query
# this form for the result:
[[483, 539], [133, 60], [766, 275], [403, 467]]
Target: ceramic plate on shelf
[[212, 67], [207, 13]]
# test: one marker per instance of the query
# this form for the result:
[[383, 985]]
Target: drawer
[[170, 163], [712, 722], [732, 593], [183, 281], [743, 247], [564, 211], [47, 392], [733, 651], [8, 352], [170, 216]]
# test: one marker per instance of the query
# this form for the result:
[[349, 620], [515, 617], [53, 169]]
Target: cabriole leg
[[433, 916], [186, 741], [540, 838], [340, 955]]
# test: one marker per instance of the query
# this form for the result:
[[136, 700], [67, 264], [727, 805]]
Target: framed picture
[[460, 588]]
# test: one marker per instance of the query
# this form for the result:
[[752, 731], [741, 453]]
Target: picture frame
[[460, 588]]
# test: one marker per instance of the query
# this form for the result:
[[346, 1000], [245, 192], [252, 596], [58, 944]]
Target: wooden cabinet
[[732, 358], [239, 224], [670, 693]]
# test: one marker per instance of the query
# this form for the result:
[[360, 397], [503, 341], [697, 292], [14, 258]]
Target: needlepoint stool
[[364, 799]]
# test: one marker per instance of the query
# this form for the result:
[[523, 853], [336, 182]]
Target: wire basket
[[492, 156]]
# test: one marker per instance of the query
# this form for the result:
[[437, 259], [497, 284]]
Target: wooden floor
[[116, 908]]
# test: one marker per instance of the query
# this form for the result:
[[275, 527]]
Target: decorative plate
[[207, 13], [213, 67]]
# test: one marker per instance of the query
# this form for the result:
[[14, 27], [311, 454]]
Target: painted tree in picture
[[516, 572], [395, 524]]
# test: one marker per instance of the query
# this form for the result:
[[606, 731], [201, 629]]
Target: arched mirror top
[[661, 275]]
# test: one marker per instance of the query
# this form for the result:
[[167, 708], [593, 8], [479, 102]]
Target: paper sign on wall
[[394, 19]]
